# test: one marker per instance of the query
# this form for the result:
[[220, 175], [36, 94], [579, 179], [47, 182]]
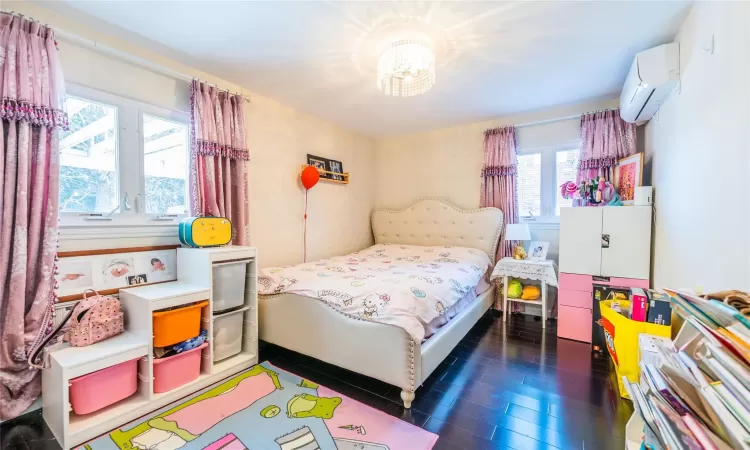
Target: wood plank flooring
[[507, 385]]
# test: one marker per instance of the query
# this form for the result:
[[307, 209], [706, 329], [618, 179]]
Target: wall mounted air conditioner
[[652, 77]]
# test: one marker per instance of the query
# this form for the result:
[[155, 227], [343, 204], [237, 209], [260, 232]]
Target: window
[[529, 184], [540, 173], [165, 165], [88, 166], [121, 161]]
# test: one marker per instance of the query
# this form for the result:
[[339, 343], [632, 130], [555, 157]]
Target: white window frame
[[550, 186], [130, 161]]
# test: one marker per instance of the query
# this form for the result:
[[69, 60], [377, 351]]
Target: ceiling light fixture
[[406, 68]]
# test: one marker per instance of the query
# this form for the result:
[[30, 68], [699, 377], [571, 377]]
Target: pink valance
[[605, 138], [499, 152], [31, 84]]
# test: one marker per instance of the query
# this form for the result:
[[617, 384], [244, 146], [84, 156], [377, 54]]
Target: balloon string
[[304, 233]]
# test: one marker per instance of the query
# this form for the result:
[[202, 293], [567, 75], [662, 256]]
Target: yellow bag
[[621, 335], [205, 231]]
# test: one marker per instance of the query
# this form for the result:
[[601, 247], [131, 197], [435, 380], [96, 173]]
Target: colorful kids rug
[[266, 408]]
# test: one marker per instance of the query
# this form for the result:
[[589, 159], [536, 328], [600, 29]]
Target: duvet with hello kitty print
[[403, 285]]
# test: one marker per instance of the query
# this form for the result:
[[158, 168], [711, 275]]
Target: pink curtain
[[605, 138], [32, 92], [218, 165], [499, 178]]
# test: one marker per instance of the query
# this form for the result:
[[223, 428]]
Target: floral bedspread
[[403, 285]]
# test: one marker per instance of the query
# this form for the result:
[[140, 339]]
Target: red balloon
[[310, 177]]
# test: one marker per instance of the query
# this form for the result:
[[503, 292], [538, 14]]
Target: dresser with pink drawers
[[608, 246]]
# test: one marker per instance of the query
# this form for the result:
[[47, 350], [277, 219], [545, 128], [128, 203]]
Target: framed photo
[[628, 176], [538, 250], [320, 164], [335, 166]]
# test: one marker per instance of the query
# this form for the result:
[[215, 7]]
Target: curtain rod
[[560, 119], [123, 56]]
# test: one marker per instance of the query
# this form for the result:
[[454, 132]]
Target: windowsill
[[90, 231], [541, 225]]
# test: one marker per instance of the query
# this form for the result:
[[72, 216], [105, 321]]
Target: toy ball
[[514, 289], [530, 292], [310, 177]]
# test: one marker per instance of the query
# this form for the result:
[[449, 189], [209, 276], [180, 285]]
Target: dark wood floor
[[506, 386]]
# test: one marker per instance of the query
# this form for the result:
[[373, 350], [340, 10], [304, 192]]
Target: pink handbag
[[94, 319]]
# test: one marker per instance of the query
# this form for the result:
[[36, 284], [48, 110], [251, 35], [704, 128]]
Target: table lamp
[[518, 232]]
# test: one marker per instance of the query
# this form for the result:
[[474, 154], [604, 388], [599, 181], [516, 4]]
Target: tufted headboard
[[433, 221]]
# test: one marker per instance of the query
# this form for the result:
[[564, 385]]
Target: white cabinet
[[580, 240], [629, 233], [606, 241]]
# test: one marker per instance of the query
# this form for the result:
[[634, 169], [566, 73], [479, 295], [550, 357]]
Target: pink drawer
[[576, 282], [92, 392], [574, 323], [579, 299]]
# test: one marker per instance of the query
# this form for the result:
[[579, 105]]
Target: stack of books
[[695, 393]]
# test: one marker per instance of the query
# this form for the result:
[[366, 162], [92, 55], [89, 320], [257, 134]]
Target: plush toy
[[514, 289], [519, 252], [530, 292]]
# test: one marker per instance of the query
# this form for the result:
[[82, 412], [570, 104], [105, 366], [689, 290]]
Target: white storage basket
[[229, 285], [228, 329]]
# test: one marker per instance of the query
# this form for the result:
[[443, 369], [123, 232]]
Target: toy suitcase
[[205, 231]]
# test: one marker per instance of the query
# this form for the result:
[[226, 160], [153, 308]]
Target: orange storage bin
[[177, 325]]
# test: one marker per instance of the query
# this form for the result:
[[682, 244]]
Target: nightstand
[[526, 269]]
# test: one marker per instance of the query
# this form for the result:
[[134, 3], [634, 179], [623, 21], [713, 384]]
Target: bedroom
[[307, 75]]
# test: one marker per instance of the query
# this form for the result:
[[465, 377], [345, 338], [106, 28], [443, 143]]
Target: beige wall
[[279, 138], [699, 148], [447, 162]]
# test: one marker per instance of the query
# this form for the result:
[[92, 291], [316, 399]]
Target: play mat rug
[[266, 408]]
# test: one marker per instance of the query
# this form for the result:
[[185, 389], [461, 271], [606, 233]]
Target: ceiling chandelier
[[406, 68]]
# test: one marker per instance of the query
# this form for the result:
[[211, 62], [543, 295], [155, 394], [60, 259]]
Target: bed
[[343, 329]]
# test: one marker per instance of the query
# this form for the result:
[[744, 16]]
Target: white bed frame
[[381, 351]]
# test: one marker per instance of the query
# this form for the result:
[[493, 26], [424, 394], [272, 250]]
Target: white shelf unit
[[194, 268], [196, 265]]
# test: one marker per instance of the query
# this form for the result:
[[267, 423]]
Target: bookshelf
[[694, 391]]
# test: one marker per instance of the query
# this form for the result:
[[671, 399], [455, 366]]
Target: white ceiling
[[493, 58]]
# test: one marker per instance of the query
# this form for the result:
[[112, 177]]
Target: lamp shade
[[517, 232]]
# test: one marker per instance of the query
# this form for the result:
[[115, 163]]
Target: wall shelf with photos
[[330, 170], [343, 175]]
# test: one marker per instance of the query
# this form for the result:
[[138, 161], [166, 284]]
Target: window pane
[[88, 157], [566, 168], [165, 165], [529, 185]]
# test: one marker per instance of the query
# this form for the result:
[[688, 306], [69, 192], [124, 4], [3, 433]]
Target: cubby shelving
[[194, 283]]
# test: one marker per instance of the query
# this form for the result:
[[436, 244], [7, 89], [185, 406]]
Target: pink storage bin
[[92, 392], [174, 371]]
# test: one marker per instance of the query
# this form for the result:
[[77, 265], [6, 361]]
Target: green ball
[[514, 289]]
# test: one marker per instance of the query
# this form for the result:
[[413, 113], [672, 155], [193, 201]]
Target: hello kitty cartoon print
[[415, 287]]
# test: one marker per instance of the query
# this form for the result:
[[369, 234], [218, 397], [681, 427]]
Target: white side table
[[544, 271]]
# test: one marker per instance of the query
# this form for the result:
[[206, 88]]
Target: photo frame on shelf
[[319, 163], [628, 176], [538, 250], [335, 166]]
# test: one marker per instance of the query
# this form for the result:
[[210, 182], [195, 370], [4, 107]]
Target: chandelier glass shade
[[406, 68]]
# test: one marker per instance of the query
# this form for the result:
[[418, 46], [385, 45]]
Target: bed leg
[[407, 397]]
